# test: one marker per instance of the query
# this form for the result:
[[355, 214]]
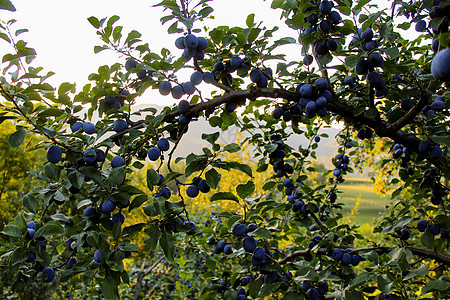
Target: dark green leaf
[[109, 288], [49, 229], [117, 176], [233, 147], [51, 171], [30, 203], [212, 178], [166, 242], [94, 22], [7, 5], [211, 138], [137, 202], [436, 285], [224, 196], [12, 230], [245, 190], [16, 138], [262, 233]]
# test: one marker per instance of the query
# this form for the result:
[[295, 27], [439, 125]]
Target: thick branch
[[410, 115], [425, 253], [382, 128]]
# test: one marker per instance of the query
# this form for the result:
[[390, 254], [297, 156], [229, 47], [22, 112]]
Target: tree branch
[[382, 128], [380, 250]]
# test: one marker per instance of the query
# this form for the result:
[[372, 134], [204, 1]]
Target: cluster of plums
[[346, 257], [222, 70], [434, 228], [114, 102], [276, 158], [342, 161], [86, 127], [433, 151], [261, 77], [322, 18], [186, 88], [366, 66], [48, 272], [402, 151], [436, 106], [314, 97], [192, 46], [315, 292], [131, 64], [154, 153], [198, 185]]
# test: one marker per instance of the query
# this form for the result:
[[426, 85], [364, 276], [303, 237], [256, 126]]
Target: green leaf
[[30, 202], [76, 179], [245, 190], [154, 236], [224, 196], [117, 176], [250, 21], [215, 121], [211, 264], [137, 202], [353, 295], [7, 5], [442, 140], [213, 178], [49, 229], [16, 138], [262, 233], [152, 179], [166, 242], [241, 167], [12, 230], [51, 171], [92, 173], [19, 255], [427, 239], [98, 49], [132, 37], [421, 271], [109, 288], [117, 231], [150, 210], [94, 22], [211, 138], [169, 177], [130, 247], [351, 61], [205, 11], [233, 147], [436, 285]]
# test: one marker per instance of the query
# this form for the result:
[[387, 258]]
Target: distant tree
[[15, 181]]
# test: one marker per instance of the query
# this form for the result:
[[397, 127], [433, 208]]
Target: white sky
[[64, 40]]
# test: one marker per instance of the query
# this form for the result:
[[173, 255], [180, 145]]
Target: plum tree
[[285, 238]]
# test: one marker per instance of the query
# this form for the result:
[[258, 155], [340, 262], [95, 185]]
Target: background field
[[359, 192]]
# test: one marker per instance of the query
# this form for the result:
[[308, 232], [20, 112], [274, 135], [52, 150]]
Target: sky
[[64, 40]]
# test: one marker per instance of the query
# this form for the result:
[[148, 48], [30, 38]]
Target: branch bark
[[381, 127], [380, 250]]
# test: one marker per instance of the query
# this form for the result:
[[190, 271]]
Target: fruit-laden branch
[[380, 250], [382, 128], [410, 115], [8, 96]]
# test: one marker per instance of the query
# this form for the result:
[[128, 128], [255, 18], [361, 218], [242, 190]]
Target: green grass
[[371, 205]]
